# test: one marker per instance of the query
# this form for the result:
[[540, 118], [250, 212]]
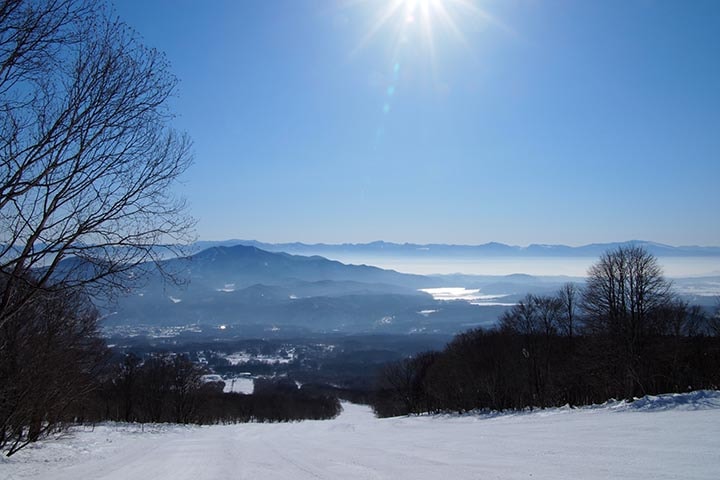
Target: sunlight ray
[[422, 20], [382, 19]]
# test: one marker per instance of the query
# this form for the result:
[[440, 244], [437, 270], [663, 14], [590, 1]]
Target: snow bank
[[698, 400]]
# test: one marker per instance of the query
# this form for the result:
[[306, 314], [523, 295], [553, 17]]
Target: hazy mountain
[[244, 285], [248, 265], [492, 249]]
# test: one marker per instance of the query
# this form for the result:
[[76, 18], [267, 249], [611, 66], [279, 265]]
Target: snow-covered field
[[239, 385], [665, 437]]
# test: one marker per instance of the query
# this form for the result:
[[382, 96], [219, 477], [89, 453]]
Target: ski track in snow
[[663, 437]]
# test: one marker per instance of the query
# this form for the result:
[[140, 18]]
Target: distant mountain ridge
[[491, 249], [249, 265], [248, 287]]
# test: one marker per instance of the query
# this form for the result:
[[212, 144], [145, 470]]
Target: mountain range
[[245, 286], [248, 286], [492, 249]]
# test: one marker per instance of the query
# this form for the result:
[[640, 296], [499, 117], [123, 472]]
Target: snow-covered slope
[[664, 437]]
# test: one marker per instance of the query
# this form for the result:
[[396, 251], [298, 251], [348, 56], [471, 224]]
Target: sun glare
[[413, 35], [422, 7], [420, 21]]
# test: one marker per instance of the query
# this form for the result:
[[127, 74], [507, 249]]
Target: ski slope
[[665, 437]]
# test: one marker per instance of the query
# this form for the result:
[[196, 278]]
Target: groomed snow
[[664, 437]]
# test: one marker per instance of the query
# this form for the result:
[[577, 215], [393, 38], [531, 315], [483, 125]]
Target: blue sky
[[523, 122]]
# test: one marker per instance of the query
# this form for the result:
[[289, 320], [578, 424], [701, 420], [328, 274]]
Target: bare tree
[[536, 318], [522, 318], [625, 290], [88, 162], [49, 359], [625, 294], [679, 319], [713, 321], [405, 381], [88, 159], [533, 315], [568, 295]]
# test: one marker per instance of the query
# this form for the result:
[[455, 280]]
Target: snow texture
[[659, 437]]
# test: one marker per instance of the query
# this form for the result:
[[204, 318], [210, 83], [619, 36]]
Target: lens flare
[[413, 31]]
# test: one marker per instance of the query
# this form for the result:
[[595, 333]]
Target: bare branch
[[88, 159]]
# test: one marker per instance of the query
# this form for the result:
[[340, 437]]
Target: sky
[[446, 121]]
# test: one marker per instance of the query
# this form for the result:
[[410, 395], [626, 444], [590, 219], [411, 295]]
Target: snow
[[663, 437], [242, 357], [387, 320], [461, 293], [452, 293], [243, 384], [493, 304]]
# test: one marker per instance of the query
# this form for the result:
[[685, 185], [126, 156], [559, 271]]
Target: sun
[[421, 8], [420, 21], [414, 36]]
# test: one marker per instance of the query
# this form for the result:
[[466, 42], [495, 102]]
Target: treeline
[[55, 371], [497, 369], [51, 357], [624, 335], [171, 388]]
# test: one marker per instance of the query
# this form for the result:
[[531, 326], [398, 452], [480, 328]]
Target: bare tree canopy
[[625, 290], [88, 158], [532, 315]]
